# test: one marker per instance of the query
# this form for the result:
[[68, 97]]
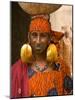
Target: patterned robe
[[25, 82]]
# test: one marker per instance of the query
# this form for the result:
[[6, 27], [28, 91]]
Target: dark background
[[19, 21]]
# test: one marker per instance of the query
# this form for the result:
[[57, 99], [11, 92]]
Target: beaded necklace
[[39, 68]]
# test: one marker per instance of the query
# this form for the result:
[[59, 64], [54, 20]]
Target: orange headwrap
[[40, 24]]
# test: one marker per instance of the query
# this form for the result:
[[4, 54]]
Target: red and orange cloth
[[20, 80]]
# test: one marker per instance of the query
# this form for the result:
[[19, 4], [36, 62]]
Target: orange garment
[[41, 82], [64, 67]]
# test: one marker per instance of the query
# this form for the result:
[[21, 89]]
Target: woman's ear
[[49, 40], [28, 37]]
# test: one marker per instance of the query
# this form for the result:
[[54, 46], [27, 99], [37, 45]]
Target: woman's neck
[[40, 57]]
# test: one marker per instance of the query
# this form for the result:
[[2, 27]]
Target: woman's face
[[39, 41]]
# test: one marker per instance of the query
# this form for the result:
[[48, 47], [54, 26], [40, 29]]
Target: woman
[[39, 76]]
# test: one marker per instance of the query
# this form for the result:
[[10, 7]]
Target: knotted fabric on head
[[40, 24]]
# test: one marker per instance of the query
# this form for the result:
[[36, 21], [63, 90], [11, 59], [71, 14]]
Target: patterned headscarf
[[40, 24]]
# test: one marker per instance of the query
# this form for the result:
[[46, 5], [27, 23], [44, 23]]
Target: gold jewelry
[[52, 54], [26, 53]]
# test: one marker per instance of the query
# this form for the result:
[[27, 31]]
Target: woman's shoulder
[[18, 65]]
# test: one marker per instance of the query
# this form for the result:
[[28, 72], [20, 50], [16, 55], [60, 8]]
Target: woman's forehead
[[39, 32]]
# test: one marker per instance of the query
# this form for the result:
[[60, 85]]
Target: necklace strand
[[41, 69]]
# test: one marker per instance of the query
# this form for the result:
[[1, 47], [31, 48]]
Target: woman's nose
[[38, 39]]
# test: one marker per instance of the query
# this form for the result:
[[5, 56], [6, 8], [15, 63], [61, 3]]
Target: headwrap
[[40, 24]]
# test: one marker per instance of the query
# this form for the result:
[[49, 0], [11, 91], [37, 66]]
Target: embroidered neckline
[[31, 71], [40, 69]]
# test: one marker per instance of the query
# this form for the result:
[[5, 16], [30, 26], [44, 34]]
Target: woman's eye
[[34, 34], [44, 35]]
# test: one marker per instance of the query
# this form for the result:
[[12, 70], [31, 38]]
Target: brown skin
[[39, 43]]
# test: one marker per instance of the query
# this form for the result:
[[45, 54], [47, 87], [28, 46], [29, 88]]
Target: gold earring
[[26, 53], [52, 54]]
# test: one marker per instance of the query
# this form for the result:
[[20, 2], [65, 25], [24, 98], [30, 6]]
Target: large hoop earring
[[26, 53], [52, 54]]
